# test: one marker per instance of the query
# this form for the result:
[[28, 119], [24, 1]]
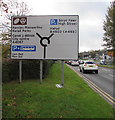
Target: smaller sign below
[[24, 48]]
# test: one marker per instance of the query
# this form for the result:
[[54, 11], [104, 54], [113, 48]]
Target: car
[[74, 63], [81, 61], [88, 66], [66, 61], [103, 62], [69, 62]]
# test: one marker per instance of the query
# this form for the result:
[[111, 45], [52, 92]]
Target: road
[[0, 72], [104, 78], [0, 88]]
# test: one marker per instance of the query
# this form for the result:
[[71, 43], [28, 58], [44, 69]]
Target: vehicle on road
[[88, 66], [103, 62], [69, 62], [81, 61], [75, 63]]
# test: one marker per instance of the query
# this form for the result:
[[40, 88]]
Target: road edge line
[[96, 88]]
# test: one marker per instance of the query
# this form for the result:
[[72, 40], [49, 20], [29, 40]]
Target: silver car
[[88, 66]]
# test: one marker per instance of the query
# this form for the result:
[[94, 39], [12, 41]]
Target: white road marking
[[112, 75], [94, 86], [105, 69]]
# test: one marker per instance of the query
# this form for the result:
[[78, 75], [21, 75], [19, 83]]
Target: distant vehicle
[[103, 62], [66, 61], [88, 66], [95, 58], [75, 63], [81, 61], [69, 62]]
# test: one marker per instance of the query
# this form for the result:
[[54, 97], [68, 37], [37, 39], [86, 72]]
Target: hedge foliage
[[30, 69]]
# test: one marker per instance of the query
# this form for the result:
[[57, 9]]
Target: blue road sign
[[24, 48], [53, 21]]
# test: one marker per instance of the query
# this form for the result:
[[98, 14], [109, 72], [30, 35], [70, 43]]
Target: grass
[[0, 54], [107, 66], [33, 100]]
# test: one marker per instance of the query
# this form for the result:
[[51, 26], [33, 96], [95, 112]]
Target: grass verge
[[107, 66], [33, 100]]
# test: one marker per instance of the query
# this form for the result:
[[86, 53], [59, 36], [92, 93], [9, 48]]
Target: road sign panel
[[45, 37]]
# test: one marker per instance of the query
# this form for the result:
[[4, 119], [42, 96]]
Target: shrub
[[30, 69]]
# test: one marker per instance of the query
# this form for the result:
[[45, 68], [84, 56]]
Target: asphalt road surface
[[0, 73], [104, 78]]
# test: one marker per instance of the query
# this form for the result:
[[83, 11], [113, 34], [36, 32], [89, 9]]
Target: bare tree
[[3, 6], [10, 8]]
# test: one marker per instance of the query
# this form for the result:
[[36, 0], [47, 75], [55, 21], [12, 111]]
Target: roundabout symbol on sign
[[42, 42]]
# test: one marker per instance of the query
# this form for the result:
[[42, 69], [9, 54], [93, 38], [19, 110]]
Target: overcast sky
[[91, 16]]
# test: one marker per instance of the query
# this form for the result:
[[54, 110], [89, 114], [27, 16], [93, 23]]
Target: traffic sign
[[45, 37]]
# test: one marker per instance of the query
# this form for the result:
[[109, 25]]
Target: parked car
[[103, 62], [75, 63], [88, 66]]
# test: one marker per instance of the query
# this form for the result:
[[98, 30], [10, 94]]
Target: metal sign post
[[41, 64], [62, 76], [62, 62], [40, 37], [20, 71]]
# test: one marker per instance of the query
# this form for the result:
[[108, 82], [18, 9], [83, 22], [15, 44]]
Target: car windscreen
[[89, 62]]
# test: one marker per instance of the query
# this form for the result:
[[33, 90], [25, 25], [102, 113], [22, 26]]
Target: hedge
[[30, 69]]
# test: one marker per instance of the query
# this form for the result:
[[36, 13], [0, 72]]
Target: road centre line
[[106, 95], [112, 75], [105, 69]]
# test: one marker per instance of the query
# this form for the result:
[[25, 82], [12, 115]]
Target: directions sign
[[23, 48], [45, 37]]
